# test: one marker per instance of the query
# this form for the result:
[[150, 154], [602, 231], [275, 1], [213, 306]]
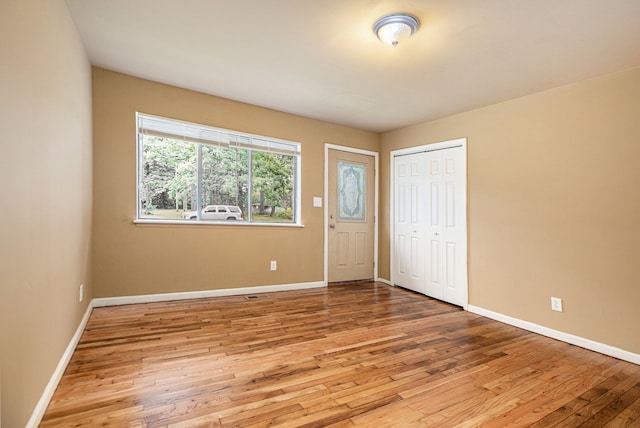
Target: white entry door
[[430, 234]]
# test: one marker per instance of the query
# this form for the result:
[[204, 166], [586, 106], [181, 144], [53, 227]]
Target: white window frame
[[147, 124]]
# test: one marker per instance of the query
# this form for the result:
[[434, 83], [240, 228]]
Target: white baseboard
[[384, 281], [43, 403], [148, 298], [559, 335]]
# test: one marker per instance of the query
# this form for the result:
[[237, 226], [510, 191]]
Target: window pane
[[224, 180], [273, 187], [192, 172], [351, 191], [168, 179]]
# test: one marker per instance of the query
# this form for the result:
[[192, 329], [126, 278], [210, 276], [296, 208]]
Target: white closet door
[[410, 220], [430, 231], [446, 253]]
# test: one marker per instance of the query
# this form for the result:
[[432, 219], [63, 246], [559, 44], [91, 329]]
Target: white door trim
[[327, 147], [458, 142]]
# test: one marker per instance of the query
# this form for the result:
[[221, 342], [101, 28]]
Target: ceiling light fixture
[[396, 28]]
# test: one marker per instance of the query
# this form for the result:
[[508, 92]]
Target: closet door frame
[[459, 142]]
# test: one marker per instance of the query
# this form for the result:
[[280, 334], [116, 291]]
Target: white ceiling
[[320, 58]]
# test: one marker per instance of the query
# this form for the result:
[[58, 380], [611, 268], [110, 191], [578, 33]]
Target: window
[[189, 172]]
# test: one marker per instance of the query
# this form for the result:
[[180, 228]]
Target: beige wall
[[553, 205], [145, 259], [45, 168]]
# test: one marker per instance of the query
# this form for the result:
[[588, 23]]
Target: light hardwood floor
[[351, 355]]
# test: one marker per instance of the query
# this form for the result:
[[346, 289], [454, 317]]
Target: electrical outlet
[[274, 265], [556, 304], [81, 296]]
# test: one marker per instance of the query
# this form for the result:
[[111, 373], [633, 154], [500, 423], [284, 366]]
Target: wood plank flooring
[[351, 355]]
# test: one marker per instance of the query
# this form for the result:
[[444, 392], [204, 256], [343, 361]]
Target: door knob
[[332, 226]]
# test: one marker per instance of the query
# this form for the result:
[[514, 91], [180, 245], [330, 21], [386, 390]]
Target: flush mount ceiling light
[[396, 28]]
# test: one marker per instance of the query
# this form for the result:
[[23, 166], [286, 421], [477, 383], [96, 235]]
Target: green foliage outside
[[169, 180]]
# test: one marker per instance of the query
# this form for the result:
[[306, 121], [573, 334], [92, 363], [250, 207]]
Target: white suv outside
[[216, 212]]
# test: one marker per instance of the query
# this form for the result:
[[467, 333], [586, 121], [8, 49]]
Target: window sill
[[148, 222]]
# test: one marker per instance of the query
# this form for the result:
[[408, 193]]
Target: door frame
[[458, 142], [327, 147]]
